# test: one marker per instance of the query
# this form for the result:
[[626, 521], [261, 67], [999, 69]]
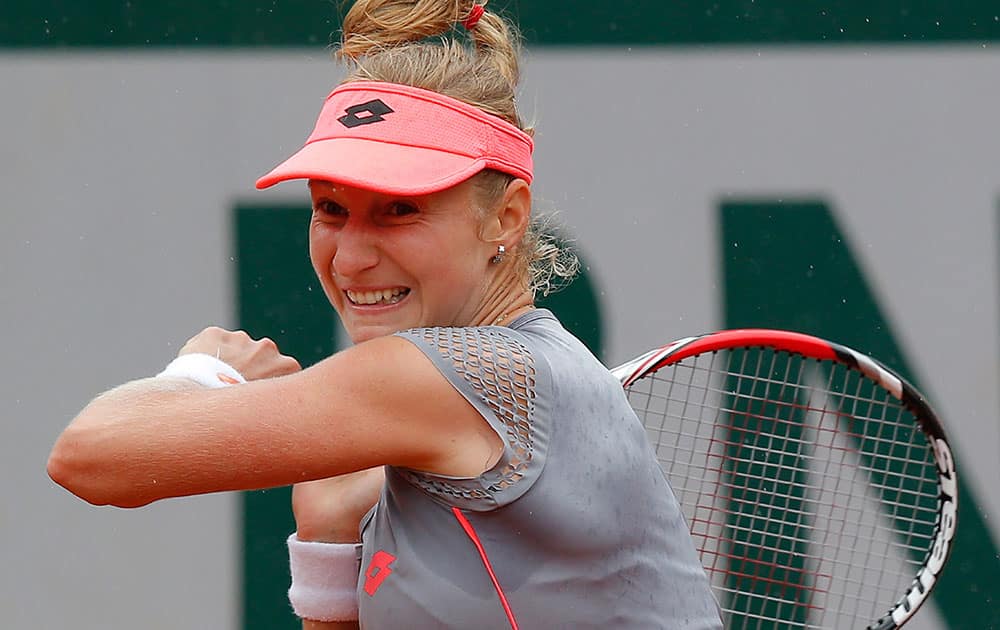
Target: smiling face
[[389, 263]]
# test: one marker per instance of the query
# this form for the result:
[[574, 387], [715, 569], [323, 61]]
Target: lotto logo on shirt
[[378, 571]]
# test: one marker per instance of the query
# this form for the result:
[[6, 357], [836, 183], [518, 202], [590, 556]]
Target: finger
[[291, 364]]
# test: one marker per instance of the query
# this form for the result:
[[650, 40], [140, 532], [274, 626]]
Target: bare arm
[[381, 402], [330, 510]]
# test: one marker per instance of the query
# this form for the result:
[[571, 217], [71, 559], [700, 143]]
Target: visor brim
[[379, 166]]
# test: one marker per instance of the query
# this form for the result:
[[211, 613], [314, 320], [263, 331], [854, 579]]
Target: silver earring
[[498, 257]]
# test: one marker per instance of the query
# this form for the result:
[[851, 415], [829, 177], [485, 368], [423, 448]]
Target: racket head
[[818, 484]]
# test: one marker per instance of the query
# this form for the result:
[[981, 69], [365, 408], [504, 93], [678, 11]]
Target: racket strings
[[809, 490]]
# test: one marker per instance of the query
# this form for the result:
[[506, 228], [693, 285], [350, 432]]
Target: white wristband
[[324, 580], [203, 369]]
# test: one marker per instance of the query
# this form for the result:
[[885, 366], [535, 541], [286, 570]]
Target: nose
[[357, 249]]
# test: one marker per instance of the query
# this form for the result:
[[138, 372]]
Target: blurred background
[[830, 167]]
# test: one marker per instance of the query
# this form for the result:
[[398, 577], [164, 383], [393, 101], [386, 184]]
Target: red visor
[[402, 140]]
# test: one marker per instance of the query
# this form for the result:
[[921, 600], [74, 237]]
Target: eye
[[402, 209], [329, 209]]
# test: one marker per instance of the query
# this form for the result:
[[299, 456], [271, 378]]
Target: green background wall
[[562, 22]]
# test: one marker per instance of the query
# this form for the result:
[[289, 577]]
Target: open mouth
[[379, 297]]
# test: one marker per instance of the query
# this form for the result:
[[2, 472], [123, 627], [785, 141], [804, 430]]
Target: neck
[[507, 317], [506, 300]]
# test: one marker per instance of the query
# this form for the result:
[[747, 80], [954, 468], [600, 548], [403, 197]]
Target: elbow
[[83, 472], [69, 467]]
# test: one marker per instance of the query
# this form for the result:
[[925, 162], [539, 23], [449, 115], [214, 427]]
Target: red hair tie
[[474, 15]]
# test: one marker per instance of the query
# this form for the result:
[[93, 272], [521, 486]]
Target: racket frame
[[814, 347]]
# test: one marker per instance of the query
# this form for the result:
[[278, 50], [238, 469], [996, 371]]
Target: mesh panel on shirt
[[502, 372]]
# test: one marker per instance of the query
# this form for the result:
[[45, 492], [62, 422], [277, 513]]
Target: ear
[[513, 214]]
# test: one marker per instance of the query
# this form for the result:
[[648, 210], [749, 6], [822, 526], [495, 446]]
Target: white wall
[[119, 169]]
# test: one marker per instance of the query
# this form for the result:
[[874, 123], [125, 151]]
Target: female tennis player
[[490, 465]]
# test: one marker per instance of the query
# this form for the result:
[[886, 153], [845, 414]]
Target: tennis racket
[[818, 485]]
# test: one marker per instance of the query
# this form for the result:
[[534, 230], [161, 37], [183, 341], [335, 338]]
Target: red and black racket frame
[[816, 348]]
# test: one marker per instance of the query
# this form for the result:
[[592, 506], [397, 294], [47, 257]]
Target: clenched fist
[[254, 359]]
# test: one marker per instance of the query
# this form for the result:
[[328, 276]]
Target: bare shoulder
[[388, 372], [427, 423]]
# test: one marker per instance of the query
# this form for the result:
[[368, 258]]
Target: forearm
[[155, 439], [158, 438], [93, 453]]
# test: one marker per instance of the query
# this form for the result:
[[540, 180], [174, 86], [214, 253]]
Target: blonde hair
[[417, 43]]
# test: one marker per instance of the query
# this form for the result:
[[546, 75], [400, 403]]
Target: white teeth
[[380, 296]]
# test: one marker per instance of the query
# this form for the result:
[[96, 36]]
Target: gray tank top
[[574, 527]]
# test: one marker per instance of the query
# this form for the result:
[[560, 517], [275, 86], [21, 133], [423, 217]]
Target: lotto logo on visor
[[433, 142], [374, 109]]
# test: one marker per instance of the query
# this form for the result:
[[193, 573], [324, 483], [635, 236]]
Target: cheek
[[320, 248], [456, 275]]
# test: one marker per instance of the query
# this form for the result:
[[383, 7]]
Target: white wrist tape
[[324, 580], [203, 369]]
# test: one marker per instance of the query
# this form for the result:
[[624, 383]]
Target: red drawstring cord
[[471, 533]]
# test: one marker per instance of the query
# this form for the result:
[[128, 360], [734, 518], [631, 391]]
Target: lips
[[377, 297]]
